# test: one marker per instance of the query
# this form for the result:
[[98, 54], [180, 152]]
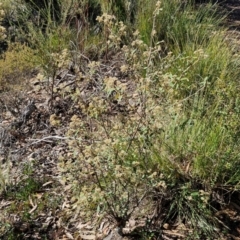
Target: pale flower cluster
[[40, 77], [124, 68], [201, 54], [2, 29], [93, 64], [54, 120], [62, 59], [93, 67], [157, 9], [113, 30], [106, 19], [96, 107], [205, 196], [110, 83]]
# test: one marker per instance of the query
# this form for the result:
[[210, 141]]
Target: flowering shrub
[[111, 169], [2, 29], [140, 134], [18, 62]]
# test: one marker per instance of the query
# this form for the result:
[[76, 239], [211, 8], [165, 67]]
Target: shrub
[[123, 163], [18, 62]]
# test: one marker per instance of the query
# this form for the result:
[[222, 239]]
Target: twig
[[55, 137], [138, 203], [171, 233], [166, 238], [46, 139], [62, 78], [70, 83]]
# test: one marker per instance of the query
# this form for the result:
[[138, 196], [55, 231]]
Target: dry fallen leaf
[[69, 235], [166, 226], [33, 209], [38, 195], [5, 203], [47, 183], [31, 201], [88, 235]]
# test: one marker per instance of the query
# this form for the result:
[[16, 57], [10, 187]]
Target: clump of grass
[[28, 201], [193, 72], [4, 174], [199, 147], [201, 59], [180, 24], [23, 189]]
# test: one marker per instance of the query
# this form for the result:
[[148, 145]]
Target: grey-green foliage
[[50, 9]]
